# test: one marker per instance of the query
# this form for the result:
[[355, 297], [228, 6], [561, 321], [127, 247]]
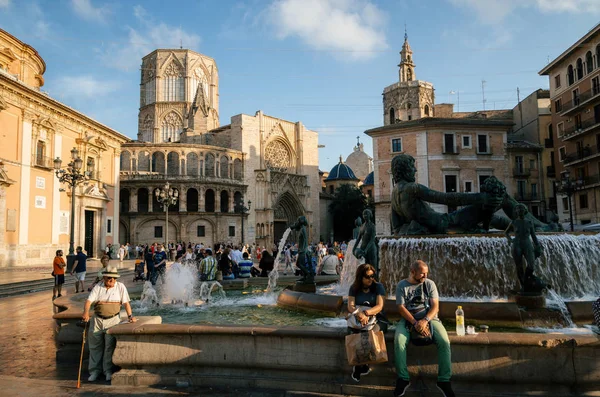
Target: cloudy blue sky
[[322, 62]]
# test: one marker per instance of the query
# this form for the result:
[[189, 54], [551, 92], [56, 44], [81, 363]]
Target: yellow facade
[[34, 130]]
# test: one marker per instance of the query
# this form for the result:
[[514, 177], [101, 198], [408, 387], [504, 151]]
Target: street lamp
[[72, 176], [166, 196], [568, 186], [242, 209]]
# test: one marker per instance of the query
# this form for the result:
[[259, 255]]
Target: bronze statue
[[303, 260], [356, 230], [411, 213], [522, 247], [366, 246]]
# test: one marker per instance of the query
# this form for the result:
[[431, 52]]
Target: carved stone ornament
[[3, 104], [172, 120], [277, 157], [173, 70], [4, 179]]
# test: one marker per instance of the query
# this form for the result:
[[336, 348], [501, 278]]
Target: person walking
[[417, 298], [107, 298], [121, 253], [58, 271], [366, 297], [79, 269]]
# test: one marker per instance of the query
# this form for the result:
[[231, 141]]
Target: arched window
[[143, 161], [579, 66], [192, 164], [598, 55], [124, 200], [392, 116], [173, 164], [408, 105], [171, 127], [156, 206], [192, 200], [209, 165], [237, 202], [158, 162], [426, 110], [409, 74], [173, 83], [589, 62], [125, 161], [224, 167], [224, 201], [258, 230], [142, 200], [237, 169], [209, 200], [570, 75]]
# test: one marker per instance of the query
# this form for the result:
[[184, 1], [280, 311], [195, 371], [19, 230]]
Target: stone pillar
[[217, 201], [182, 199], [133, 199], [25, 182], [201, 202], [150, 201], [231, 203]]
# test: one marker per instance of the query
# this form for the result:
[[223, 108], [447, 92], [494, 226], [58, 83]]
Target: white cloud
[[353, 26], [140, 42], [83, 87], [86, 10], [493, 12], [41, 28], [4, 3]]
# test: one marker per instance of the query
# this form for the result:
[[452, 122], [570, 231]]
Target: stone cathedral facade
[[270, 162]]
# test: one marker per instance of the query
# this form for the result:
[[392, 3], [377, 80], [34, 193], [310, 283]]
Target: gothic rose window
[[277, 157]]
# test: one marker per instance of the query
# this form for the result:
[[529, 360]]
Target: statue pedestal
[[305, 287], [530, 301]]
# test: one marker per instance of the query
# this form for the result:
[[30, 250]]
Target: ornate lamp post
[[166, 196], [242, 209], [568, 186], [72, 176]]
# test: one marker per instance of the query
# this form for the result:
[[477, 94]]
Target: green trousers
[[440, 338]]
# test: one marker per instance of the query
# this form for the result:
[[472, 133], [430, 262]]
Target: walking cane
[[81, 356]]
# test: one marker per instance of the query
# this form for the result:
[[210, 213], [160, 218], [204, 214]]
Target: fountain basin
[[312, 359]]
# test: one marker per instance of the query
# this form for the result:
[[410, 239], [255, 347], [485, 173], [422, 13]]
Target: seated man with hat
[[107, 298]]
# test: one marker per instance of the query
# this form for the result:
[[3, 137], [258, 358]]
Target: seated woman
[[330, 265], [365, 301], [266, 264], [225, 265]]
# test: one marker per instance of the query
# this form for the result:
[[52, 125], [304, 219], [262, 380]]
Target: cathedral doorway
[[286, 211]]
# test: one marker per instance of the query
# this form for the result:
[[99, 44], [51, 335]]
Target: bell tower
[[407, 67]]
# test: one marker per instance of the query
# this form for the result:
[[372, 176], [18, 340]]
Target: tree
[[347, 205]]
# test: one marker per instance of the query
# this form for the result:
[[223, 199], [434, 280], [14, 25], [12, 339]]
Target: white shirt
[[236, 256], [118, 293]]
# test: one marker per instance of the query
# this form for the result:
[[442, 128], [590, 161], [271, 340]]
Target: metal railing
[[156, 176], [450, 150], [42, 161], [581, 154], [580, 128], [521, 171], [580, 100]]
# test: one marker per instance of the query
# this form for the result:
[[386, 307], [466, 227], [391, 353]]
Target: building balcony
[[548, 143], [577, 130], [590, 181], [550, 172], [583, 155], [42, 162], [521, 172], [135, 176], [450, 150], [526, 197], [583, 99]]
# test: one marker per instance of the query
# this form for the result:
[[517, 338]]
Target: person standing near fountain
[[418, 303], [365, 302], [522, 247], [302, 261], [365, 246], [160, 264], [208, 267], [107, 298]]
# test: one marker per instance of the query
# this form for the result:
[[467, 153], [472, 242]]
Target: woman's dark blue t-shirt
[[368, 298]]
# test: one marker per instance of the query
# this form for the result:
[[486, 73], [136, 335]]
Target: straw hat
[[110, 271]]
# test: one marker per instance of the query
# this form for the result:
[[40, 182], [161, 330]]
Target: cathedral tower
[[179, 96], [409, 98]]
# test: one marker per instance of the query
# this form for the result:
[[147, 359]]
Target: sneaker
[[446, 389], [53, 297], [401, 386], [93, 377], [364, 370], [108, 376], [356, 373], [59, 295]]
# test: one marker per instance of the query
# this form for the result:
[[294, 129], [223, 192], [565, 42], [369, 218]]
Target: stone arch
[[392, 115], [589, 63], [158, 162], [143, 163], [171, 126], [173, 163], [238, 200], [579, 68], [570, 75], [426, 110], [286, 211], [125, 161], [279, 155], [192, 164], [209, 200], [123, 232], [173, 229], [192, 199], [224, 201], [237, 169], [209, 164], [224, 167]]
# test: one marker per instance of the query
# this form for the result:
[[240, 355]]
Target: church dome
[[341, 172], [369, 180]]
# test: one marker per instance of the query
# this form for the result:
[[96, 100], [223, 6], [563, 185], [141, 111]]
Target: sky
[[322, 62]]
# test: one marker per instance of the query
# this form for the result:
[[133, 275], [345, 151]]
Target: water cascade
[[351, 263], [180, 282], [149, 296], [476, 267], [274, 275], [206, 289]]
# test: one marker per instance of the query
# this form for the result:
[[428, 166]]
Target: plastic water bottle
[[460, 322]]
